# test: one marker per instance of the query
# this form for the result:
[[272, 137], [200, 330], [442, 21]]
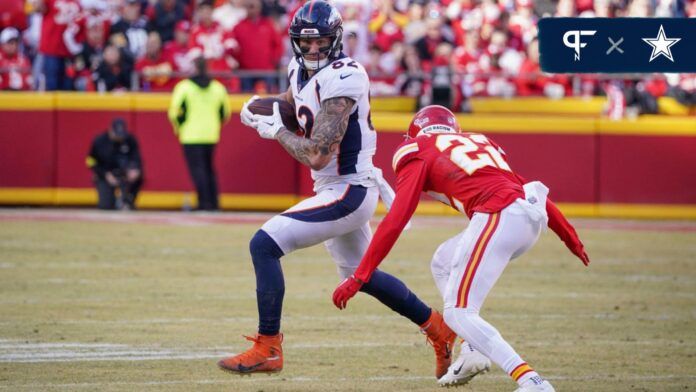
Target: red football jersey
[[178, 55], [464, 170], [156, 73], [15, 72], [87, 19], [58, 14], [209, 41]]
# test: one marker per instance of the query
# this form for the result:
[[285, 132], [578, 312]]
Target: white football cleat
[[545, 386], [469, 364]]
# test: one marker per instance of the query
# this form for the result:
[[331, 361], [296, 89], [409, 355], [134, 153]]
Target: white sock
[[487, 340]]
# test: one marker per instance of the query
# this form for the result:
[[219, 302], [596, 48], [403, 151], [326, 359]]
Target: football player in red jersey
[[467, 171]]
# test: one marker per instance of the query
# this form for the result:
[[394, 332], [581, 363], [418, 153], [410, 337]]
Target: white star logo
[[661, 44]]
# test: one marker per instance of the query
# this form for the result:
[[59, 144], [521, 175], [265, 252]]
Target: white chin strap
[[437, 128], [314, 65]]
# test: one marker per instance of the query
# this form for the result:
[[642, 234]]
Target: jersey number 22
[[471, 152]]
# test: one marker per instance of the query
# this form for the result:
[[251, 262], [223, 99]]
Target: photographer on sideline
[[115, 160]]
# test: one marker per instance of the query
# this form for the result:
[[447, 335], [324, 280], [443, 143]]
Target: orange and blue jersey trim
[[520, 371], [475, 259]]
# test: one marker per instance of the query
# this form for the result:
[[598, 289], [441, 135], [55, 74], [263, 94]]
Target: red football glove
[[345, 291], [579, 251]]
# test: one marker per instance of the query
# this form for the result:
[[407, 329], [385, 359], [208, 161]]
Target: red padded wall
[[27, 149], [164, 167], [47, 148], [647, 169]]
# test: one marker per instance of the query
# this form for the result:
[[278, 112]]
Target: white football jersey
[[344, 77]]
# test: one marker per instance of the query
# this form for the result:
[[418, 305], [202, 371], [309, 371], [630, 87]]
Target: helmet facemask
[[330, 52], [316, 19]]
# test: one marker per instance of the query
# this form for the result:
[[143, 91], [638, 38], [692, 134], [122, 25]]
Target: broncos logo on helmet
[[314, 20]]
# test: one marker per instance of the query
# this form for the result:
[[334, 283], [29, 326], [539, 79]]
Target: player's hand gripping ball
[[264, 107]]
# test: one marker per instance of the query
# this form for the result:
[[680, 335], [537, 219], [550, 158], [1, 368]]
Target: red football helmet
[[433, 118]]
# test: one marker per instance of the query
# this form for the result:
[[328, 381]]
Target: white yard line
[[12, 351]]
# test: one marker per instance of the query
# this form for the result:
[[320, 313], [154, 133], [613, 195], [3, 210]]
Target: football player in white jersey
[[330, 93]]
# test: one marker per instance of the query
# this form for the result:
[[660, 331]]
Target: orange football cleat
[[442, 338], [265, 356]]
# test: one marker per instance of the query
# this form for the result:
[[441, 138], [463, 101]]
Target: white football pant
[[466, 267], [338, 215]]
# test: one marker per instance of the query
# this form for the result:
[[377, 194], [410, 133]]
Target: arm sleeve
[[560, 225], [409, 183]]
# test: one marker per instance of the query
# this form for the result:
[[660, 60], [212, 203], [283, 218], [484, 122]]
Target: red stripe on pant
[[475, 260]]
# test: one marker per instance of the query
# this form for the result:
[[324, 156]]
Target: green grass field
[[103, 305]]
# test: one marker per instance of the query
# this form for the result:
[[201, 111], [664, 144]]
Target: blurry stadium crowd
[[447, 49]]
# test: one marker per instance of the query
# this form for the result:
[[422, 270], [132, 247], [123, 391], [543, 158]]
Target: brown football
[[264, 107]]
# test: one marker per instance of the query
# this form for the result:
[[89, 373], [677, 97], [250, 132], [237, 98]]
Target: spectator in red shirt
[[229, 14], [93, 12], [522, 24], [177, 50], [210, 41], [57, 16], [260, 45], [386, 25], [470, 61], [15, 68], [154, 69]]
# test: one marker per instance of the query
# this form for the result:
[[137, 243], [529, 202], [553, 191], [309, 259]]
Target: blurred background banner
[[617, 45]]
